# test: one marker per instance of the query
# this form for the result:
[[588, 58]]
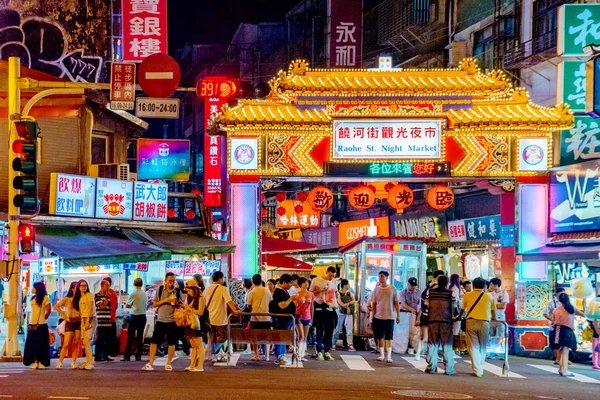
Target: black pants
[[137, 323], [113, 343], [103, 342], [324, 322]]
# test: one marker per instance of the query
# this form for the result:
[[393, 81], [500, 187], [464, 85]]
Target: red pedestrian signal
[[25, 164], [27, 238]]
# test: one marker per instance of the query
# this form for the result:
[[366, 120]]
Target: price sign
[[150, 107]]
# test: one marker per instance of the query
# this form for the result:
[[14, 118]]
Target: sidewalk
[[3, 329]]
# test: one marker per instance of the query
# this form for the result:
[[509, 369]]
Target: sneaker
[[283, 361], [59, 365], [303, 359], [596, 368], [168, 367], [148, 367], [351, 348], [328, 357], [320, 356], [389, 360], [34, 366], [417, 357], [41, 366], [88, 367]]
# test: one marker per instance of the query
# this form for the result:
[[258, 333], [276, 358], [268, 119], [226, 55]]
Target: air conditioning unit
[[110, 171]]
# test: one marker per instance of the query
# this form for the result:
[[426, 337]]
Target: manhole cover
[[429, 394]]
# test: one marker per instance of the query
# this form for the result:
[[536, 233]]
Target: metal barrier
[[242, 335], [505, 366]]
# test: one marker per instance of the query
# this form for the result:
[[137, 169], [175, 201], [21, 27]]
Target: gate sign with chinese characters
[[150, 201], [578, 26], [122, 86], [481, 228], [72, 195], [345, 37], [572, 84], [373, 139], [144, 28], [114, 199], [307, 218], [582, 143]]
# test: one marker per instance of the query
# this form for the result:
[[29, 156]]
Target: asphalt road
[[350, 376]]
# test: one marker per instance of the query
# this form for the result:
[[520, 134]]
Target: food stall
[[364, 258]]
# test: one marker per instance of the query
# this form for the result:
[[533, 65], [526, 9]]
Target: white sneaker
[[148, 367], [34, 366], [389, 360], [320, 356]]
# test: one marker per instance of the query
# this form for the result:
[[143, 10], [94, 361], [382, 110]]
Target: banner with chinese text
[[481, 228], [122, 86], [114, 199], [345, 33], [72, 195], [582, 143], [150, 201], [213, 157], [144, 28]]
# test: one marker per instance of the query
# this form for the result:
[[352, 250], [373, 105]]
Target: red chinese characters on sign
[[144, 28], [212, 156], [122, 86], [345, 38]]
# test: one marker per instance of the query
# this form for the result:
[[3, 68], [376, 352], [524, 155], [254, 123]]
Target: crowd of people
[[448, 317]]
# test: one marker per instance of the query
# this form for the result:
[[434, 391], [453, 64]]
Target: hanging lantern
[[302, 196], [389, 187], [171, 213], [320, 198], [281, 211], [440, 197], [280, 196], [361, 197], [298, 208], [196, 192], [373, 188], [263, 212], [190, 214], [400, 197]]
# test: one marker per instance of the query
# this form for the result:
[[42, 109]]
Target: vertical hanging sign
[[122, 86], [345, 33], [212, 155], [144, 28]]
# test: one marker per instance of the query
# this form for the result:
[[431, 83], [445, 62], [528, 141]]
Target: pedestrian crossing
[[577, 377]]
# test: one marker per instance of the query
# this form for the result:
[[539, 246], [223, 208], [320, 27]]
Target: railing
[[524, 53]]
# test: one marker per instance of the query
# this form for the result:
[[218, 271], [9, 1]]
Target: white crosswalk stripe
[[496, 370], [577, 377], [357, 363], [422, 364], [161, 362]]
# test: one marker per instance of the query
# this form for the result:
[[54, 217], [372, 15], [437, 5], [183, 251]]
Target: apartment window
[[483, 46], [545, 16], [99, 149]]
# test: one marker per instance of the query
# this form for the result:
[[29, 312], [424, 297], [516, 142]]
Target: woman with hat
[[195, 303]]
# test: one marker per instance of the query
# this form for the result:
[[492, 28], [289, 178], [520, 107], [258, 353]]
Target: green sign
[[578, 26], [582, 143], [571, 84]]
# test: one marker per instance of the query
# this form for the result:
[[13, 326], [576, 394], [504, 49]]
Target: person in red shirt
[[114, 303]]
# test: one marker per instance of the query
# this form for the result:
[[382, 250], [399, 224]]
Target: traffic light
[[27, 238], [26, 164]]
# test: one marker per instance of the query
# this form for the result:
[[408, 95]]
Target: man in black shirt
[[441, 305], [283, 303]]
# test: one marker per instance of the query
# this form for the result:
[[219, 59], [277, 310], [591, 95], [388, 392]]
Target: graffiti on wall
[[43, 44]]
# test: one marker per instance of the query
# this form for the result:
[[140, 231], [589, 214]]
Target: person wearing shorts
[[384, 301], [166, 298], [304, 315]]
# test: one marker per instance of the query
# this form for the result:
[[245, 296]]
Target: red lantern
[[196, 192], [280, 196], [190, 214], [281, 211], [302, 196], [440, 197], [171, 213], [361, 197], [320, 198], [389, 187], [262, 197], [400, 197], [263, 212], [373, 188], [298, 208]]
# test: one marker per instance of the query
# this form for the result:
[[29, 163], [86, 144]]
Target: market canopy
[[82, 247], [278, 261], [180, 242], [275, 245], [562, 253]]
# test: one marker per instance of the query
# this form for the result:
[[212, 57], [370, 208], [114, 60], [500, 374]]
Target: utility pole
[[11, 351]]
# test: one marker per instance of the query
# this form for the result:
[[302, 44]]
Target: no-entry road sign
[[159, 75]]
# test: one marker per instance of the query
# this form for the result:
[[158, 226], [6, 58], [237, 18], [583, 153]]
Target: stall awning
[[81, 247], [180, 242], [278, 261], [562, 253], [274, 245]]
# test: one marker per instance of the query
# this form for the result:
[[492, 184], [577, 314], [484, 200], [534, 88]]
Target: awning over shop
[[180, 242], [563, 253], [274, 245], [81, 247], [278, 261]]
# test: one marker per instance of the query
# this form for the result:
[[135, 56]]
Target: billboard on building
[[345, 33], [144, 28], [167, 159]]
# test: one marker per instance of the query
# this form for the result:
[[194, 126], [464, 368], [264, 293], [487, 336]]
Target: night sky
[[215, 21]]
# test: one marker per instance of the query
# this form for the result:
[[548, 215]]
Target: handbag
[[463, 322], [205, 319], [34, 327]]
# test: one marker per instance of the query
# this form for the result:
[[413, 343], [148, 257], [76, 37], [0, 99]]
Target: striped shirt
[[103, 313]]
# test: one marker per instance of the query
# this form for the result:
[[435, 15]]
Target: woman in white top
[[83, 302], [455, 288], [72, 325], [37, 344]]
